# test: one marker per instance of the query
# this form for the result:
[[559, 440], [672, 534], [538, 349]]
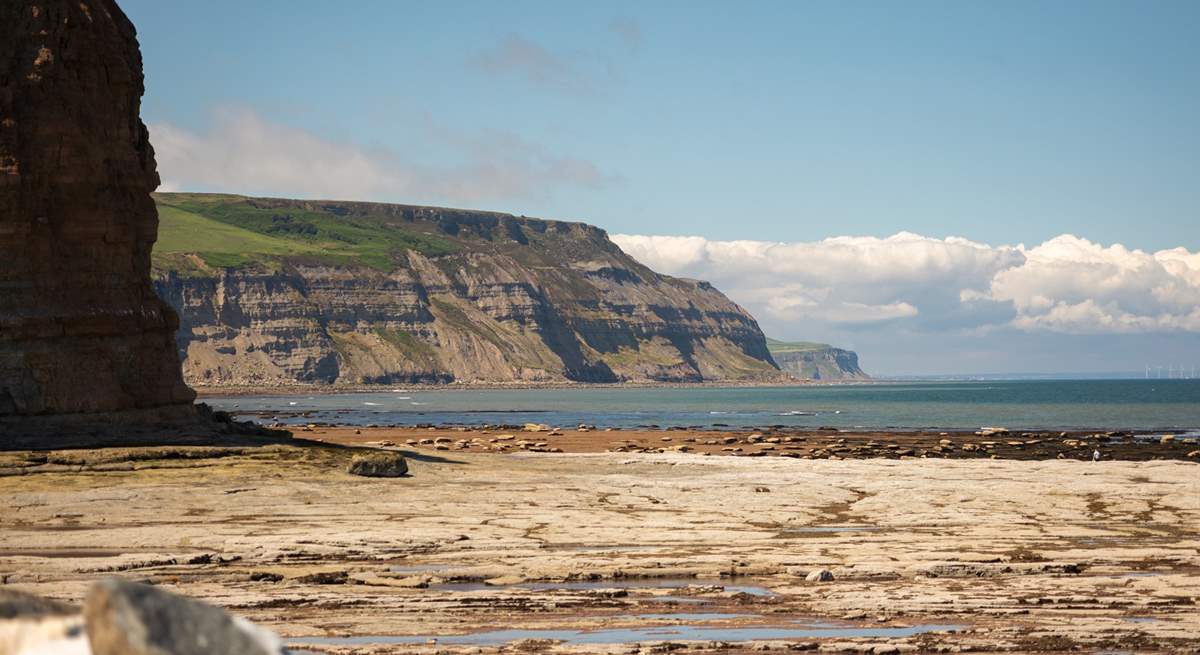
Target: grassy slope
[[229, 231], [181, 231], [777, 346]]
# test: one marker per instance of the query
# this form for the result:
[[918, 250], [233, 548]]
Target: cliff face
[[342, 292], [816, 361], [81, 329]]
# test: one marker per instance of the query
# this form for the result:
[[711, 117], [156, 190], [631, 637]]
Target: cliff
[[277, 291], [816, 361], [81, 330]]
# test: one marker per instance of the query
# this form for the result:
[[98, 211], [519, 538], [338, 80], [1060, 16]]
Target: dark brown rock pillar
[[81, 329]]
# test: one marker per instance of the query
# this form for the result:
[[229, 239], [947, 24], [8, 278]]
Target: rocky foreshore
[[832, 443], [474, 551]]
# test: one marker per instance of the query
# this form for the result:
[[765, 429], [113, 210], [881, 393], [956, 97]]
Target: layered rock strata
[[826, 363], [81, 329], [464, 296]]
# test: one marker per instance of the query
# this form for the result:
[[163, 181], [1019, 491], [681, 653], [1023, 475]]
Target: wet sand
[[671, 550]]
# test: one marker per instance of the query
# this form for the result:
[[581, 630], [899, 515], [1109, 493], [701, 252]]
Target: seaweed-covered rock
[[379, 464]]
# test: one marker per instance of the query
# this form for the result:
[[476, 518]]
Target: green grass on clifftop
[[777, 346], [232, 231]]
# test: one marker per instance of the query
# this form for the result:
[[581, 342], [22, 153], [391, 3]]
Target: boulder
[[820, 575], [126, 618], [325, 577], [32, 624], [379, 464], [20, 605]]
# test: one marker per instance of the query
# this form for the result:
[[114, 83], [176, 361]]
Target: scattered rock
[[325, 577], [378, 465], [126, 618], [820, 575], [504, 580]]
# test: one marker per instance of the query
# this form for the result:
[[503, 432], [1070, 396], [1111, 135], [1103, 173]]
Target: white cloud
[[1067, 285], [241, 152], [1070, 284]]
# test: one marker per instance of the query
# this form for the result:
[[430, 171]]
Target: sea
[[1168, 405]]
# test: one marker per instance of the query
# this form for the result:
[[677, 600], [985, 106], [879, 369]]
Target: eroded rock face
[[827, 363], [517, 299], [81, 329]]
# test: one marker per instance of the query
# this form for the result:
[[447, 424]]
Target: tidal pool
[[635, 635], [643, 583]]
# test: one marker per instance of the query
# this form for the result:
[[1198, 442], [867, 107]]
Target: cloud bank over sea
[[912, 286]]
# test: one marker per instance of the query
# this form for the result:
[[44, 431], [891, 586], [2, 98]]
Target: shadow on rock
[[203, 427]]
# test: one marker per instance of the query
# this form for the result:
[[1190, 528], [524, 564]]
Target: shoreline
[[795, 444], [210, 391], [301, 419], [300, 389]]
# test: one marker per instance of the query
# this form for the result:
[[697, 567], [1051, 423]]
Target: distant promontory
[[806, 360]]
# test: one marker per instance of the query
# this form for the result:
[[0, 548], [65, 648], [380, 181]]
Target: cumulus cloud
[[1069, 284], [1066, 285], [241, 152]]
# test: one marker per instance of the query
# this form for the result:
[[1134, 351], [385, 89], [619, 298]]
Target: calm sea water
[[1035, 404]]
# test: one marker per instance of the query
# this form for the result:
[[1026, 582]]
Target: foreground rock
[[32, 624], [81, 329], [20, 605], [378, 465], [126, 618]]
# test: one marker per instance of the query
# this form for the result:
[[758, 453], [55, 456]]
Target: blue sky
[[1001, 122], [1004, 122]]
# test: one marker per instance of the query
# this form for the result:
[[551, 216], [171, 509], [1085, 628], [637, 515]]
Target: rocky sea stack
[[82, 333]]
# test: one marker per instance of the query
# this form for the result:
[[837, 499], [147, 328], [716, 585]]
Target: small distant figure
[[1096, 455]]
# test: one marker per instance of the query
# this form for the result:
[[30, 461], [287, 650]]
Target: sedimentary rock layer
[[827, 363], [81, 329], [450, 295]]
